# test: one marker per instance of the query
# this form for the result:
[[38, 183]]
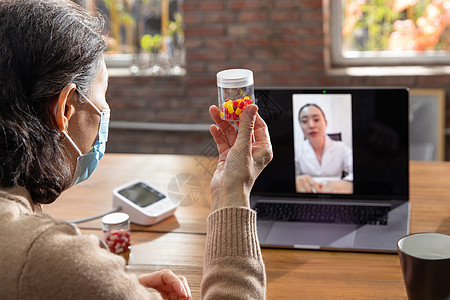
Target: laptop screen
[[349, 143]]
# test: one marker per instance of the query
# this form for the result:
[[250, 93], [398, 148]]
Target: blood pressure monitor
[[143, 203]]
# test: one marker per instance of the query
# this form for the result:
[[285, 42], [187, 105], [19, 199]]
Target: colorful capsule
[[232, 109]]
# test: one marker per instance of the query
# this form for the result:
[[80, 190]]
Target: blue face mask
[[87, 163]]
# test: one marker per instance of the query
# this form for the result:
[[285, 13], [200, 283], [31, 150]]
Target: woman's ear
[[64, 109]]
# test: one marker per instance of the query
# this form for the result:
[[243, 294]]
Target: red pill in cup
[[236, 91]]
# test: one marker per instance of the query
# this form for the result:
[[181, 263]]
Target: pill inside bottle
[[116, 233]]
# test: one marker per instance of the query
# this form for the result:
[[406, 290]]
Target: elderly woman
[[54, 125]]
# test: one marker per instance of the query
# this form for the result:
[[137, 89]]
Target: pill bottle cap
[[115, 218], [234, 78]]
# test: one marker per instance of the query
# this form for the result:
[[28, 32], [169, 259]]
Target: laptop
[[364, 206]]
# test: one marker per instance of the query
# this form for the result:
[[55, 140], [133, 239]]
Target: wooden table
[[178, 242]]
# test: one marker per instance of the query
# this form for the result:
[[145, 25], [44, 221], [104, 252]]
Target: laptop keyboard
[[322, 213]]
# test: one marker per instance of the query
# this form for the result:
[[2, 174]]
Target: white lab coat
[[336, 157]]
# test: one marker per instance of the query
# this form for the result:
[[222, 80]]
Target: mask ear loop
[[90, 102], [67, 136], [72, 142]]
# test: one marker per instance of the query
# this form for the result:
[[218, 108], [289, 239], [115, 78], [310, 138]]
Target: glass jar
[[235, 92], [116, 233]]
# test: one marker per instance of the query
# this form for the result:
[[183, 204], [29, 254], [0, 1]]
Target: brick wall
[[282, 41]]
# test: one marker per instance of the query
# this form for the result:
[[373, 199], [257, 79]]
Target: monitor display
[[323, 150], [141, 194], [339, 142]]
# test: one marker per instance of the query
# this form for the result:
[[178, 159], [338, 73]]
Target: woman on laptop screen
[[323, 163]]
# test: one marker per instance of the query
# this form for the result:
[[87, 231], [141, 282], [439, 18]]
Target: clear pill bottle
[[116, 233], [236, 91]]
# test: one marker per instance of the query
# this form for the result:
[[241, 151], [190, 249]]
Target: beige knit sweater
[[43, 258]]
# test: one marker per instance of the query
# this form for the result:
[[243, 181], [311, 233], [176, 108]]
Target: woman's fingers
[[305, 183], [186, 285], [219, 138], [246, 127], [261, 130], [167, 283], [227, 129]]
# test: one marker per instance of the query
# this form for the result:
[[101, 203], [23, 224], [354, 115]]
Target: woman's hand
[[306, 184], [169, 285], [338, 187], [242, 157]]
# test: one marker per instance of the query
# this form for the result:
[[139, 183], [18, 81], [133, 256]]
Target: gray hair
[[44, 46]]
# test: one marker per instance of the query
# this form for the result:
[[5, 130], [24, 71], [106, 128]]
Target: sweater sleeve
[[63, 264], [233, 267]]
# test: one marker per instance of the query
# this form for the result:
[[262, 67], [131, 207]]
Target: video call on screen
[[323, 118], [372, 123]]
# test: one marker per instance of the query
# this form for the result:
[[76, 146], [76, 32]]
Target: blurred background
[[164, 55]]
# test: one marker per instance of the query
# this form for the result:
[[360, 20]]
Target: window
[[390, 32], [145, 37]]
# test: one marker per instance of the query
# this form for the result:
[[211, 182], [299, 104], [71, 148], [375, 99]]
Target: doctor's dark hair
[[44, 46], [310, 104]]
